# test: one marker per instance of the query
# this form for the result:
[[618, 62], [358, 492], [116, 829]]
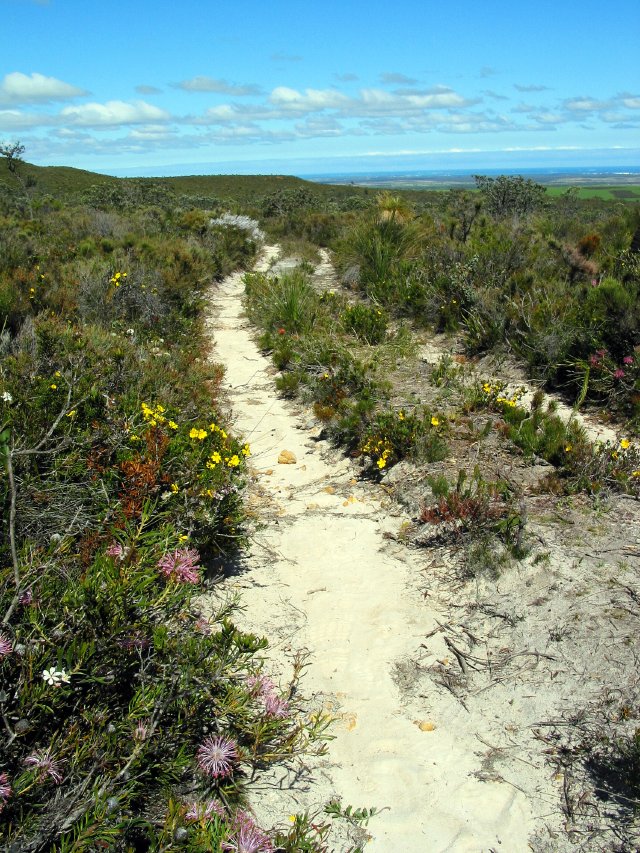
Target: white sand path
[[322, 577]]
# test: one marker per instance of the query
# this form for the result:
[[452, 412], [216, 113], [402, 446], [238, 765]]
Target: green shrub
[[366, 322]]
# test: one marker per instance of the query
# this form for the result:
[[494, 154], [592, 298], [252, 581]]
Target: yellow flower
[[234, 461], [246, 450], [134, 438], [435, 421], [625, 443], [381, 463], [182, 537], [71, 414], [400, 416], [57, 374], [160, 408], [173, 425], [53, 386], [635, 473], [215, 457], [199, 434], [568, 448], [175, 488]]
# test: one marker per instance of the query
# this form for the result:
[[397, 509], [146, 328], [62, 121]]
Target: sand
[[322, 576]]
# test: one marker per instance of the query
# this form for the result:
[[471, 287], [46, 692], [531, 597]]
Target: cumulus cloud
[[19, 88], [310, 100], [11, 120], [222, 87], [113, 114], [586, 105]]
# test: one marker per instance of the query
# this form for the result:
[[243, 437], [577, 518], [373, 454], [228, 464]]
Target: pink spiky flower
[[263, 688], [619, 373], [181, 565], [5, 790], [116, 551], [6, 646], [204, 811], [276, 706], [216, 755], [247, 837], [43, 761]]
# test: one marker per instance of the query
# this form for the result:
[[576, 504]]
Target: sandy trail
[[322, 577]]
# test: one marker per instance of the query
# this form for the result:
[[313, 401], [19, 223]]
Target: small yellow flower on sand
[[435, 421], [172, 425], [53, 386], [175, 488], [233, 461], [625, 443], [246, 450], [292, 818]]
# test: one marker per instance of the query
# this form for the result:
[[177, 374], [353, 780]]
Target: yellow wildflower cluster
[[216, 428], [118, 278], [380, 448], [154, 415], [494, 392], [199, 434]]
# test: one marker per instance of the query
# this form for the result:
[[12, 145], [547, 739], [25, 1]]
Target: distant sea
[[439, 178]]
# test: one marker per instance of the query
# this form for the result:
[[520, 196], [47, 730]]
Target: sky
[[199, 86]]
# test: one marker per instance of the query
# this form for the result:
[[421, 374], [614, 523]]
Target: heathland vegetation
[[133, 718]]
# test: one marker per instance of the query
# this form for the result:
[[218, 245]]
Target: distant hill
[[66, 182]]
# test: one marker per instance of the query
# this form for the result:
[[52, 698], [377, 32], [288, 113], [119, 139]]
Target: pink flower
[[6, 646], [628, 359], [276, 706], [263, 688], [5, 789], [141, 731], [43, 761], [181, 565], [618, 374], [247, 837], [204, 811], [116, 551], [216, 755]]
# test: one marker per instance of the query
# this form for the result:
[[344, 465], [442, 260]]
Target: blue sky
[[142, 87]]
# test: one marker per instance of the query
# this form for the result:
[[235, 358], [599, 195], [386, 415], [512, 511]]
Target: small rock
[[287, 458], [424, 725], [330, 490]]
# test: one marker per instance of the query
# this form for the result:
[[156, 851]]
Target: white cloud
[[19, 88], [223, 87], [16, 120], [586, 105], [113, 114], [310, 101]]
